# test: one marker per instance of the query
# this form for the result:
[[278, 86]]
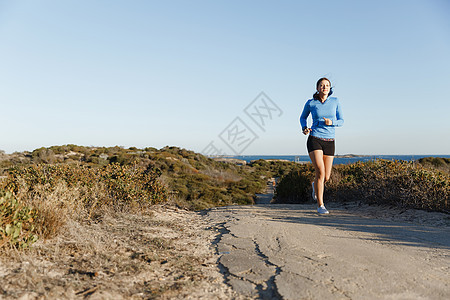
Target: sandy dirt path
[[291, 252], [265, 251], [166, 253]]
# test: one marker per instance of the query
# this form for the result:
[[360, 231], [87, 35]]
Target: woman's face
[[324, 87]]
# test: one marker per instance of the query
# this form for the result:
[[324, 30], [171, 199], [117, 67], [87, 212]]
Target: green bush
[[17, 227]]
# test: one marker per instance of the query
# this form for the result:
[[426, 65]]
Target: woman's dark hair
[[316, 94]]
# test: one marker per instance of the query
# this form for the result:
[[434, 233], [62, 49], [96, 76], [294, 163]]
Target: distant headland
[[351, 155]]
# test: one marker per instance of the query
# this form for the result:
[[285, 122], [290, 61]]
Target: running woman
[[326, 114]]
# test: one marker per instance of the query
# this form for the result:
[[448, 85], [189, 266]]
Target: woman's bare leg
[[328, 162], [317, 159]]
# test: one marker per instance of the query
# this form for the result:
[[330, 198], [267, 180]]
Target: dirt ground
[[167, 254], [288, 251]]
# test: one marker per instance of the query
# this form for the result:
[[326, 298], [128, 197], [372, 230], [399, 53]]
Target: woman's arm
[[304, 115], [339, 116]]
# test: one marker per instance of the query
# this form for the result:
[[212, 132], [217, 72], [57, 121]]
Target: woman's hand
[[306, 131], [328, 122]]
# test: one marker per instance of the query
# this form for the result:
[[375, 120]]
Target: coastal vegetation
[[43, 189], [424, 184], [438, 163], [40, 191]]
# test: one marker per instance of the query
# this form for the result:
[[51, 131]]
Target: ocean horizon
[[338, 159]]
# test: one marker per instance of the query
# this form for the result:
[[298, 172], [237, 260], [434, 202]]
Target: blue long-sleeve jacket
[[330, 109]]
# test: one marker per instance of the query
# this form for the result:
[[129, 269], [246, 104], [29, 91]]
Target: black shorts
[[314, 143]]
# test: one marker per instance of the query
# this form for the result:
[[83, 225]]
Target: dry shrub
[[61, 192], [398, 183], [221, 175], [55, 205], [294, 186], [439, 163]]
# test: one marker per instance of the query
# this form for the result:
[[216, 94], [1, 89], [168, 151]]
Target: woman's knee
[[328, 174], [320, 174]]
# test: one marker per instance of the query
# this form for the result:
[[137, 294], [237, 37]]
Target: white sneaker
[[322, 210], [313, 192]]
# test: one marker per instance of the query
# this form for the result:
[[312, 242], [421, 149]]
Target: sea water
[[347, 159]]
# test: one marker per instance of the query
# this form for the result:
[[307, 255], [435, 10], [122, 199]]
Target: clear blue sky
[[157, 73]]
